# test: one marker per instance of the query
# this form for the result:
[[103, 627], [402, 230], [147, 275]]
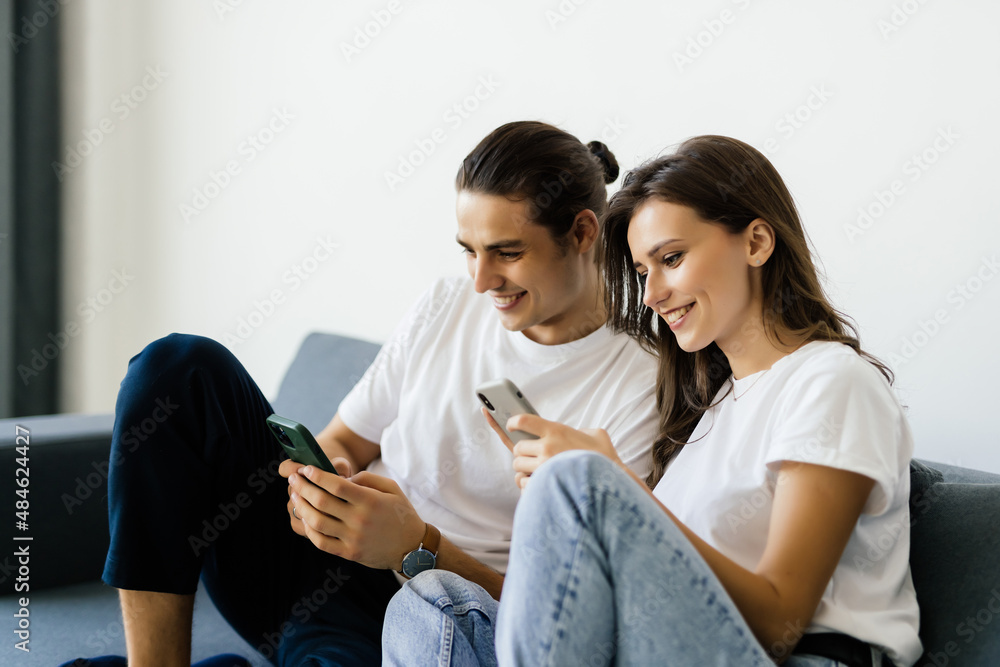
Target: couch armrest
[[953, 560], [959, 475], [67, 495]]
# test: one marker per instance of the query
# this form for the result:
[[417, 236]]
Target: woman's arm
[[814, 512]]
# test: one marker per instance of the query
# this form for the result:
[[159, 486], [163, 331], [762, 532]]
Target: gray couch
[[955, 555]]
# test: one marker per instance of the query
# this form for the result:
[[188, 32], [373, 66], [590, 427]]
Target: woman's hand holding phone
[[551, 438]]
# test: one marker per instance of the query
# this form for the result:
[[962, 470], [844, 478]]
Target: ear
[[760, 242], [585, 230]]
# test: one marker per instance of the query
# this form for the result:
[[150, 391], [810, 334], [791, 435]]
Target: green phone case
[[299, 443]]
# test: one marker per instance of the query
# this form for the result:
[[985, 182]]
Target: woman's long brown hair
[[730, 184]]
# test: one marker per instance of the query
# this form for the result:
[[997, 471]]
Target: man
[[424, 482]]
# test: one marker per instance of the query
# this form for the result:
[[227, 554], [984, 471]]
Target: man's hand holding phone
[[364, 518], [289, 468]]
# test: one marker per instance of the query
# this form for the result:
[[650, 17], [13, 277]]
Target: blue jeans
[[598, 575], [194, 491]]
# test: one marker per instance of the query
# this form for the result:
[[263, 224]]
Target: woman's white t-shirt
[[822, 404]]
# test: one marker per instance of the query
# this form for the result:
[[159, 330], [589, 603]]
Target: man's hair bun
[[553, 172], [607, 158]]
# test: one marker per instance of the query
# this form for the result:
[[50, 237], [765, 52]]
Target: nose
[[484, 274], [656, 290]]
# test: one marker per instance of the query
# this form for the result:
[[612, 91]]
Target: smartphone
[[299, 443], [504, 400]]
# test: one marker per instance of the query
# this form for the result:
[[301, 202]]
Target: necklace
[[752, 384]]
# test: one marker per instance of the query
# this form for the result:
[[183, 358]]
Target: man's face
[[544, 290]]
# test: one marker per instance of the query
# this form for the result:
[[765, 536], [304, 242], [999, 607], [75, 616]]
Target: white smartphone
[[504, 400]]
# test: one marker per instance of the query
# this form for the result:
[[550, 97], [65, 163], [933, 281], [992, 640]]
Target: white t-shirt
[[822, 404], [417, 400]]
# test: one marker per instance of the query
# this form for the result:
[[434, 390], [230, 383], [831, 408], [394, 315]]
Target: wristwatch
[[423, 557]]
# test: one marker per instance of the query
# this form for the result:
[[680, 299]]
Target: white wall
[[607, 69]]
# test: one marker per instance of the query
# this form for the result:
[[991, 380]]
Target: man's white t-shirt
[[822, 404], [417, 400]]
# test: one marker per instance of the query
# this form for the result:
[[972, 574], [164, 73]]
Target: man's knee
[[161, 383], [178, 353], [167, 370]]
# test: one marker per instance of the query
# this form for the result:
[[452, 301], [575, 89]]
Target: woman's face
[[536, 286], [697, 274]]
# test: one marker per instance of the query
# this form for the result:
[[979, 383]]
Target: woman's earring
[[758, 262]]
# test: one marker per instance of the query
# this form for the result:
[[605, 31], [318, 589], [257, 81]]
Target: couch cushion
[[955, 562], [325, 369]]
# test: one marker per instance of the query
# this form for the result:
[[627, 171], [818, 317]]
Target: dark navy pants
[[194, 491]]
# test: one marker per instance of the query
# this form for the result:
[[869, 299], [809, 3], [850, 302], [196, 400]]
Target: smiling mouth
[[504, 301], [678, 313]]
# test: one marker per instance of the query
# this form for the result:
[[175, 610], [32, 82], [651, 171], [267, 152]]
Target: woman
[[778, 525]]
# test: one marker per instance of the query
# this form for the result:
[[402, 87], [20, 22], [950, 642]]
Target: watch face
[[417, 561]]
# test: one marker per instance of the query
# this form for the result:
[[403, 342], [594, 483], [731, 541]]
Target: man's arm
[[338, 441], [368, 519], [453, 559]]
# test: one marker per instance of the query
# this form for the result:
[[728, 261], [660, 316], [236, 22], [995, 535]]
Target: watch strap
[[432, 540]]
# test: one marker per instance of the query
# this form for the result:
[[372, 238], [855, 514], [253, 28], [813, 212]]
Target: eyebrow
[[498, 245], [654, 250]]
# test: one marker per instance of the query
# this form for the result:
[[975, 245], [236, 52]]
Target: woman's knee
[[576, 490], [436, 587], [440, 589], [572, 473]]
